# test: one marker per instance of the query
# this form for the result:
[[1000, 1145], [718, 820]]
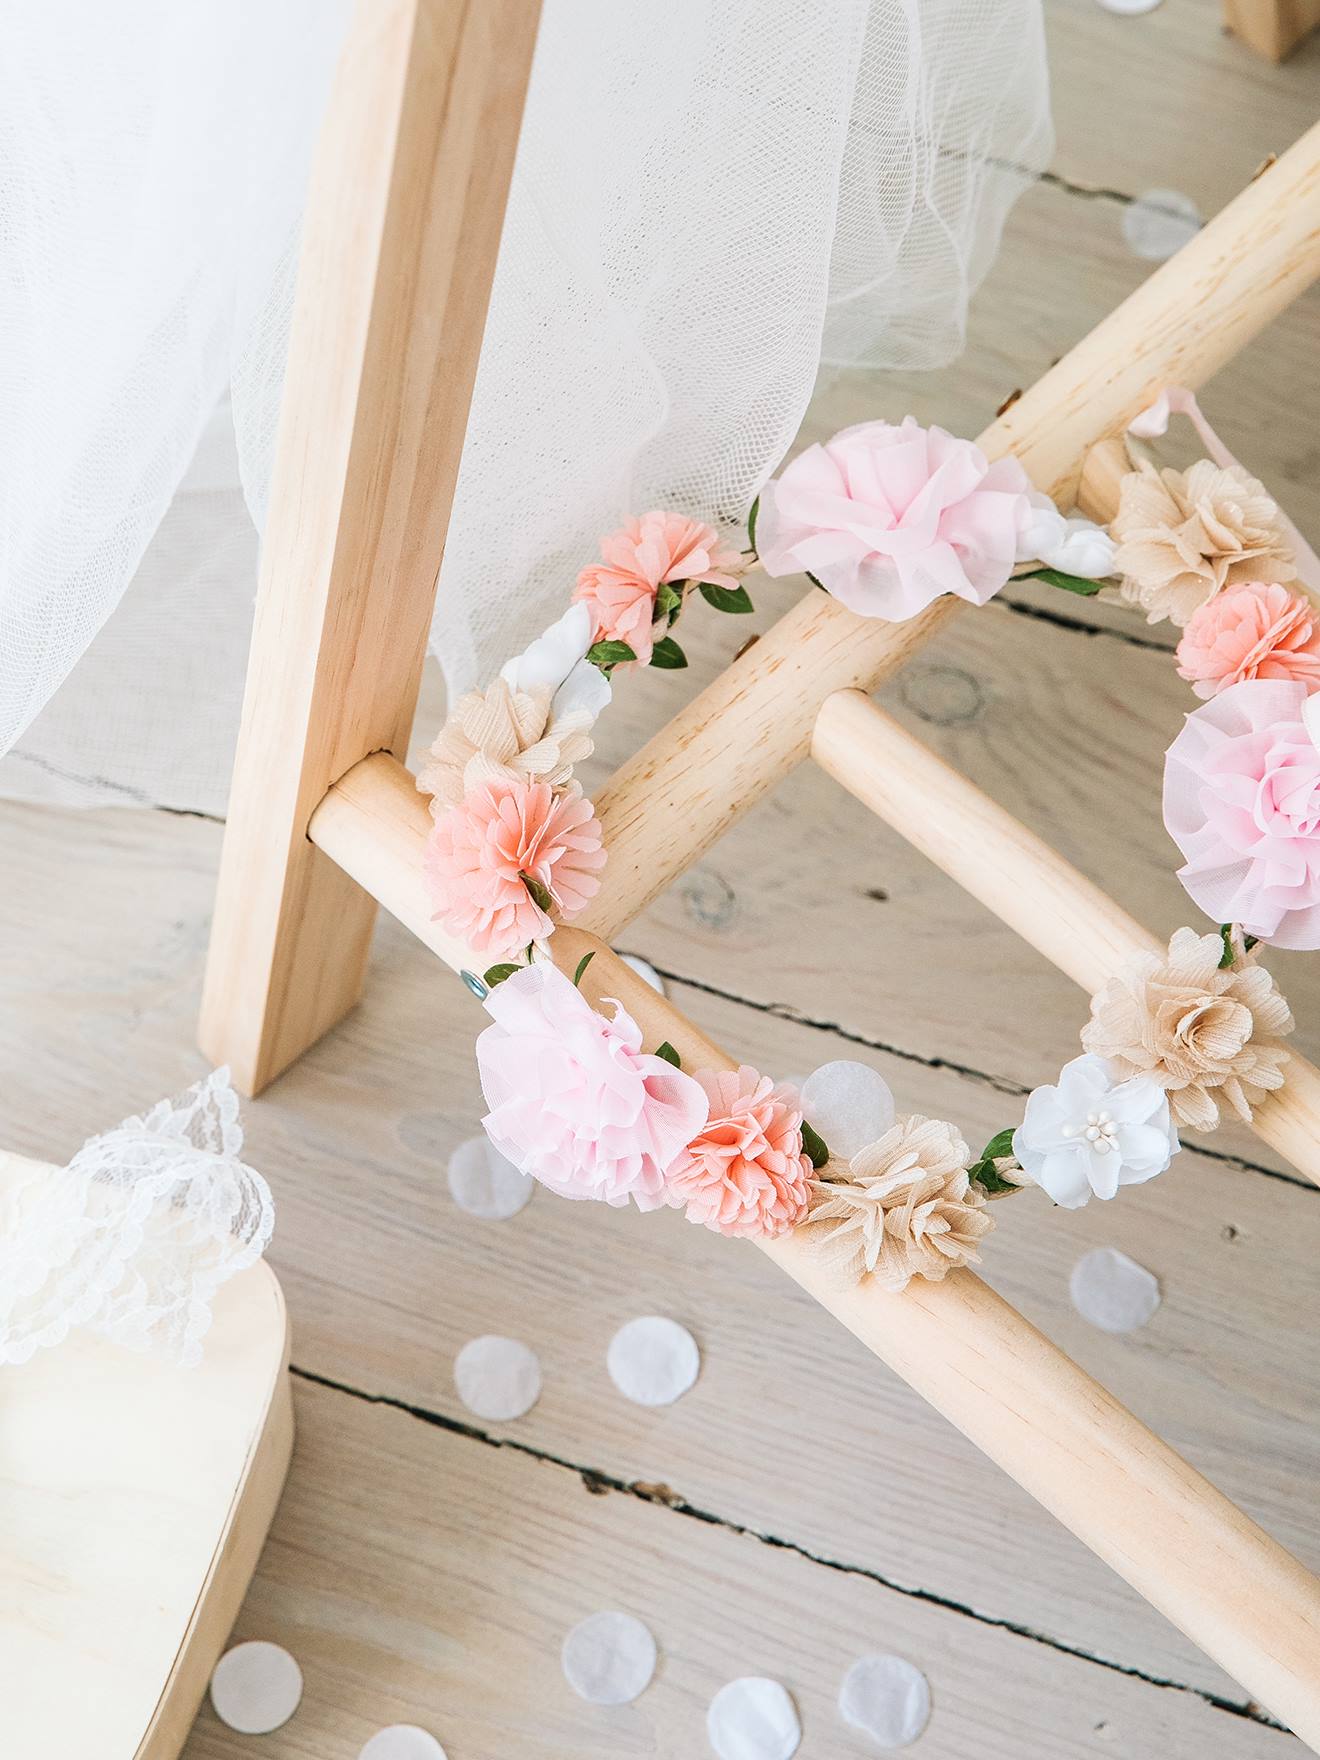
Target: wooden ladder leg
[[399, 245], [1273, 28]]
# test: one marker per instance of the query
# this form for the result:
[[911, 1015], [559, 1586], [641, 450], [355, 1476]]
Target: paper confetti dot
[[887, 1698], [1112, 1291], [256, 1687], [1159, 223], [485, 1183], [497, 1378], [1130, 8], [609, 1658], [401, 1741], [652, 1360], [848, 1104], [753, 1719], [644, 969]]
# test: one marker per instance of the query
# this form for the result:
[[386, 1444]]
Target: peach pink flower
[[653, 548], [1257, 629], [889, 518], [574, 1100], [745, 1173], [1242, 802], [479, 851]]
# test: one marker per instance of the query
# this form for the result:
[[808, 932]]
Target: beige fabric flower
[[503, 735], [1182, 535], [907, 1208], [1209, 1037]]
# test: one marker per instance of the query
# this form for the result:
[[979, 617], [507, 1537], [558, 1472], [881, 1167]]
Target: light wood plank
[[387, 1279], [1273, 28], [398, 252], [422, 1577]]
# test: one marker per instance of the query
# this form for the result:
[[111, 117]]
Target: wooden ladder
[[399, 250]]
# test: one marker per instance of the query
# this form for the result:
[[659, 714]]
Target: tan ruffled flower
[[1208, 1036], [907, 1208], [1182, 535], [503, 735]]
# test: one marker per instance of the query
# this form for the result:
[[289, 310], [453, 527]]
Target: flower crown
[[887, 519]]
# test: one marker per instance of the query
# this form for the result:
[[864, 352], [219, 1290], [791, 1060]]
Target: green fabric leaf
[[1071, 583], [668, 602], [607, 655], [497, 974], [726, 598], [583, 963], [752, 514], [986, 1175], [1227, 957], [667, 655], [540, 894], [1250, 941], [814, 1145], [669, 1054], [998, 1146]]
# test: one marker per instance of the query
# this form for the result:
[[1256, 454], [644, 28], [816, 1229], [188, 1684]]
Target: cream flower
[[1209, 1037], [907, 1208], [533, 724], [1182, 535]]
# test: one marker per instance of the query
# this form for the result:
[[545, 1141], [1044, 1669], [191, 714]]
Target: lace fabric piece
[[135, 1236]]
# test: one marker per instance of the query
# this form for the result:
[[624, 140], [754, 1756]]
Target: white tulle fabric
[[136, 1235], [710, 199]]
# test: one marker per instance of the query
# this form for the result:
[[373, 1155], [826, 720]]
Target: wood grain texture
[[441, 1598], [386, 1278], [1058, 1433], [398, 252], [135, 1498]]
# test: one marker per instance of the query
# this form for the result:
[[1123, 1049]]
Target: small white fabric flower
[[1074, 546], [556, 661], [1092, 1134]]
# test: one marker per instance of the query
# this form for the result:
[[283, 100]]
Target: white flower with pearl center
[[1090, 1134]]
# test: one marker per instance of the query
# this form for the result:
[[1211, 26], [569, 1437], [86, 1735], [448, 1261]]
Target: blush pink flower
[[1242, 802], [653, 548], [1255, 630], [888, 518], [479, 851], [745, 1173], [574, 1100]]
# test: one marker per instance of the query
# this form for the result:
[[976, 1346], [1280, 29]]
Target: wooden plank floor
[[799, 1507]]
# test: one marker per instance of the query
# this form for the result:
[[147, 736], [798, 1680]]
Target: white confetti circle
[[485, 1183], [609, 1659], [1159, 223], [652, 1360], [1112, 1291], [887, 1698], [1129, 8], [256, 1687], [401, 1741], [645, 970], [497, 1378], [753, 1719], [848, 1104]]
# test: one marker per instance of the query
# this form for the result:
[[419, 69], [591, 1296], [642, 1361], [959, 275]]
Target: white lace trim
[[136, 1235]]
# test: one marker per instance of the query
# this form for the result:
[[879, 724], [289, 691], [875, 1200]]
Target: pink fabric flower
[[657, 547], [1242, 802], [573, 1098], [1255, 630], [745, 1173], [479, 850], [889, 518]]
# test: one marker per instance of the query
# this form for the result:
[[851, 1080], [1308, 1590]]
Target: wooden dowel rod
[[1021, 879], [665, 807], [1249, 1604]]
